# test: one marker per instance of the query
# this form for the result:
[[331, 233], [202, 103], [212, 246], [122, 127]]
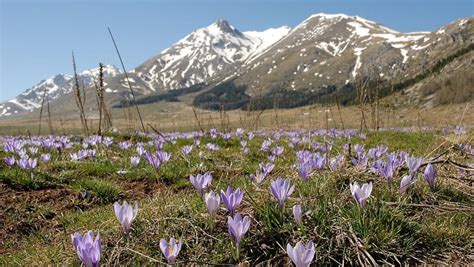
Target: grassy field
[[179, 117], [43, 206]]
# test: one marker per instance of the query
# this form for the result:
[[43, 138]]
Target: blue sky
[[37, 37]]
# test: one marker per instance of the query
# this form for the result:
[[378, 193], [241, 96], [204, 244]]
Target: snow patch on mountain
[[358, 63], [263, 40]]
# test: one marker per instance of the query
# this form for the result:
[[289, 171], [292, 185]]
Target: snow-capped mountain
[[54, 87], [331, 49], [205, 54], [323, 57], [332, 52]]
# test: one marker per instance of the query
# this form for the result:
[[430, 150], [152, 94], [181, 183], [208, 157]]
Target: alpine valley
[[323, 59]]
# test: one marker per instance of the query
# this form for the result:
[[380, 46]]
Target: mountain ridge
[[325, 52]]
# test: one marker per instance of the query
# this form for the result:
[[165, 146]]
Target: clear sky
[[37, 37]]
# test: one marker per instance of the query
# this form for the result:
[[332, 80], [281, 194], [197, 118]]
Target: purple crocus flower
[[82, 153], [266, 145], [258, 178], [45, 158], [212, 202], [85, 145], [107, 141], [459, 130], [140, 150], [33, 150], [405, 183], [201, 181], [27, 163], [91, 153], [293, 142], [125, 145], [154, 160], [281, 190], [237, 227], [251, 135], [125, 214], [170, 250], [297, 213], [335, 162], [266, 168], [278, 150], [75, 156], [301, 255], [9, 146], [385, 169], [134, 161], [303, 156], [87, 248], [239, 132], [9, 161], [271, 158], [212, 147], [231, 199], [163, 156], [159, 143], [47, 143], [318, 161], [413, 164], [304, 170], [361, 160], [397, 160], [277, 136], [213, 133], [21, 153], [430, 175], [378, 151], [225, 136], [243, 143], [358, 148], [360, 194], [186, 150]]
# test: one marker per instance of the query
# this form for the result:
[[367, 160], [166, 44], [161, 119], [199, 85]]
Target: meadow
[[239, 196]]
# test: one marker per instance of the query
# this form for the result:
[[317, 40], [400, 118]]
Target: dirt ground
[[23, 213]]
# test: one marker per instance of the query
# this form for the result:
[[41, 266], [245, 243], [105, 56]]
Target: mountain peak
[[330, 16], [109, 70], [222, 25]]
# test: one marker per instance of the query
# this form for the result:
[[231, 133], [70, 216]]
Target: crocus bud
[[430, 175]]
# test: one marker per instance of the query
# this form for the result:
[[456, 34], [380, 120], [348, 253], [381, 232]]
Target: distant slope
[[327, 56], [54, 87]]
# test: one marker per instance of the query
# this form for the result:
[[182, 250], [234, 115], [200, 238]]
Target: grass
[[417, 143], [105, 191], [26, 180], [421, 225]]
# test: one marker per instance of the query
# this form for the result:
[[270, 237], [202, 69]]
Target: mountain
[[204, 55], [326, 56], [54, 87]]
